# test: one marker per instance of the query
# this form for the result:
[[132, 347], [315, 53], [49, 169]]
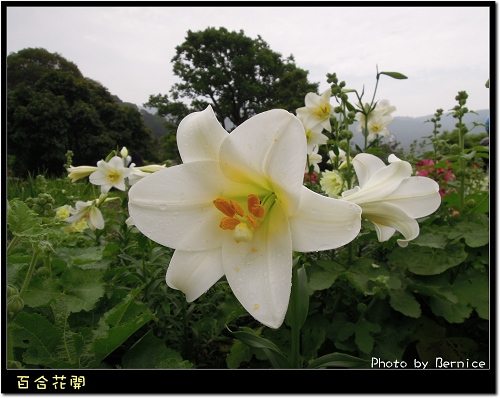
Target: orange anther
[[237, 208], [258, 211], [252, 200], [228, 223], [224, 206], [253, 221]]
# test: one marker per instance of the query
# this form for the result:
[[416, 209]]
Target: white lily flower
[[313, 159], [391, 198], [317, 111], [88, 211], [110, 174], [76, 173], [314, 135], [137, 173], [378, 119], [237, 207]]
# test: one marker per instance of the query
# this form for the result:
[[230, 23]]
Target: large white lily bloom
[[391, 198], [237, 207], [110, 174], [87, 211], [317, 111]]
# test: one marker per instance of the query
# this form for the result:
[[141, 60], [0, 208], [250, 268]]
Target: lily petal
[[259, 150], [260, 272], [416, 196], [323, 223], [199, 136], [194, 273], [174, 207], [381, 183], [95, 218], [388, 215], [365, 166]]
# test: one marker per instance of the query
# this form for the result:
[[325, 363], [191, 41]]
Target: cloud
[[129, 49]]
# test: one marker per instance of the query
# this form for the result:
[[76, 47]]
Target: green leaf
[[299, 299], [81, 289], [339, 360], [40, 337], [405, 303], [323, 274], [363, 338], [239, 353], [394, 75], [452, 312], [23, 222], [149, 353], [272, 352], [475, 234], [117, 325], [472, 288], [428, 260], [430, 240], [369, 277], [85, 258]]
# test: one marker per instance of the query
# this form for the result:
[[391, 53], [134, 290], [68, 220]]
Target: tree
[[237, 75], [31, 64], [61, 112]]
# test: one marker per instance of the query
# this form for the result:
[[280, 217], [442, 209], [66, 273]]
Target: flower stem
[[295, 326], [30, 272]]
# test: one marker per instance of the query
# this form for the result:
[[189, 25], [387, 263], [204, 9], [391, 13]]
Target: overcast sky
[[442, 50]]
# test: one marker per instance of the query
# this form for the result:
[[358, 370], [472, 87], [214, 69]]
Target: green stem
[[12, 243], [295, 326], [461, 143], [30, 272]]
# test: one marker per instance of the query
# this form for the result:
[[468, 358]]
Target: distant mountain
[[407, 129]]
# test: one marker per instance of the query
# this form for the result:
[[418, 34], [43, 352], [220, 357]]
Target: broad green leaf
[[239, 353], [323, 274], [81, 289], [149, 353], [22, 221], [40, 337], [363, 338], [423, 260], [472, 288], [85, 258], [369, 277], [430, 240], [338, 360], [475, 234], [41, 292], [313, 335], [452, 312], [405, 302]]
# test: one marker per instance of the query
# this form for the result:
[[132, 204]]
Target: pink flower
[[439, 175]]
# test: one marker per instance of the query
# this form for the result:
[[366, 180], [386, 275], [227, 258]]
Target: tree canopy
[[237, 75], [62, 111]]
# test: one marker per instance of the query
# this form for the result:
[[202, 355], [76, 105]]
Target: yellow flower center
[[236, 220], [114, 177], [323, 111]]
